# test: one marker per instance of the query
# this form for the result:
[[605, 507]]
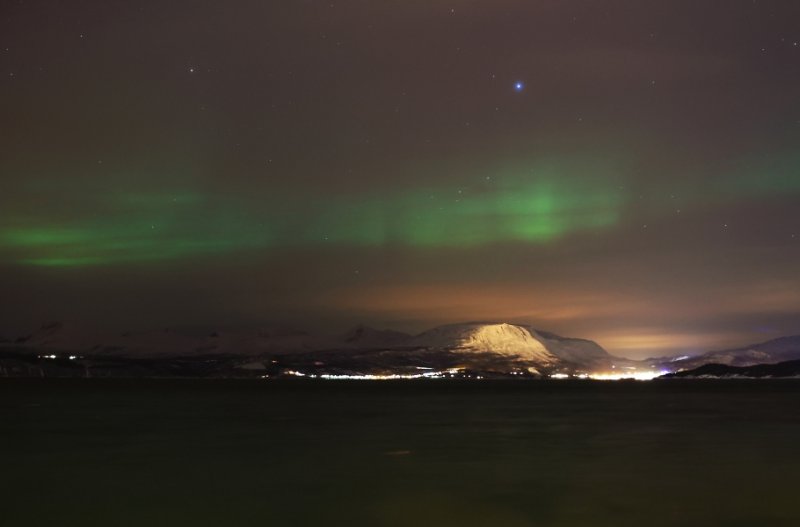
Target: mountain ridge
[[507, 345], [498, 347]]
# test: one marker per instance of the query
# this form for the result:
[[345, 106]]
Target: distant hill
[[367, 337], [781, 369], [770, 352]]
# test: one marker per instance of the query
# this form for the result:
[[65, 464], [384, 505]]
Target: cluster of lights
[[612, 376], [635, 375], [54, 357], [608, 376], [366, 377], [392, 376]]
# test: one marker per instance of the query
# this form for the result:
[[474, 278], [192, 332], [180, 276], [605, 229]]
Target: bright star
[[519, 86]]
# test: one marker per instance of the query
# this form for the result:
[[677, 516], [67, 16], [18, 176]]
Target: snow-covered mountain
[[501, 339], [542, 349]]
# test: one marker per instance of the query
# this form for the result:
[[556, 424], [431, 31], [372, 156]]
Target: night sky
[[626, 171]]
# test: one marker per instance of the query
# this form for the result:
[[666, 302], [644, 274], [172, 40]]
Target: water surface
[[439, 453]]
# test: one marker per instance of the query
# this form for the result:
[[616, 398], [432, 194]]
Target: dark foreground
[[439, 453]]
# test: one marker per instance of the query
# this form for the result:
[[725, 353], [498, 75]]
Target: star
[[519, 86]]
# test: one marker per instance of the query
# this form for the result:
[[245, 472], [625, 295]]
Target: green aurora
[[545, 202], [161, 226]]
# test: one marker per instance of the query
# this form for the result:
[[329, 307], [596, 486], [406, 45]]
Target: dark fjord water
[[439, 453]]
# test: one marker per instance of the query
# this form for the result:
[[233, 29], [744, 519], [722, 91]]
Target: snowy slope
[[500, 339], [585, 354]]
